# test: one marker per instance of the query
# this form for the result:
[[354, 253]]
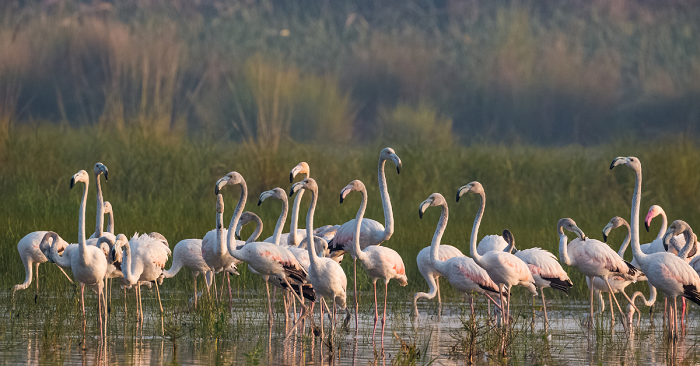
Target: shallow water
[[50, 334]]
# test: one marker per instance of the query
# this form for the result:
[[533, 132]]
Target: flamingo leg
[[357, 305], [125, 312], [160, 304], [612, 310], [99, 311], [471, 303], [320, 306], [36, 295], [333, 320], [269, 303], [590, 324], [496, 305], [631, 302], [214, 281], [376, 312], [386, 294], [140, 304], [82, 299], [617, 304], [437, 286], [508, 317], [544, 307], [675, 319], [230, 296], [500, 293], [682, 312], [195, 289]]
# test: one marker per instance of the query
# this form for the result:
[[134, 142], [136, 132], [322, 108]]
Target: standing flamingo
[[265, 258], [89, 266], [667, 272], [371, 232], [505, 269], [544, 267], [379, 262], [325, 274], [430, 273], [461, 271], [214, 250]]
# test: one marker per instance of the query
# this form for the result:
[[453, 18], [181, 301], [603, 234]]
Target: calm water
[[49, 336]]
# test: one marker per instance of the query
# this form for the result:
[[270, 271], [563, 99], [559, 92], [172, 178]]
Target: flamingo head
[[232, 178], [101, 169], [355, 185], [389, 154], [570, 225], [108, 207], [115, 254], [81, 176], [614, 223], [630, 162], [510, 239], [278, 193], [435, 199], [473, 187], [654, 211], [676, 227], [246, 218], [308, 183], [301, 168]]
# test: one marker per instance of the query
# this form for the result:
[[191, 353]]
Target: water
[[49, 332]]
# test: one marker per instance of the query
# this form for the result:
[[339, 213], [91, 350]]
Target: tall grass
[[167, 187]]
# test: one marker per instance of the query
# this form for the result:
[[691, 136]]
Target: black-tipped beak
[[605, 238], [398, 169], [420, 213], [291, 192], [457, 197], [646, 225], [259, 202], [665, 247], [238, 236], [106, 174], [216, 190], [341, 198], [291, 178], [72, 182]]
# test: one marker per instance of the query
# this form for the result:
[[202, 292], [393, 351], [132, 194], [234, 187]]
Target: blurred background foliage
[[271, 71]]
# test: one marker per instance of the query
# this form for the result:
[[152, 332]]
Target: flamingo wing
[[491, 243]]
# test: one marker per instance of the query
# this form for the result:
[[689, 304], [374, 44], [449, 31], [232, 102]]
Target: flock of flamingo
[[304, 264]]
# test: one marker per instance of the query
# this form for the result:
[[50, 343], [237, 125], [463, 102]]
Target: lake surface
[[47, 333]]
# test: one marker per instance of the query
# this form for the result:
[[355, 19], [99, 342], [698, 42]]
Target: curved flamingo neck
[[475, 228], [280, 221], [664, 224], [636, 202], [625, 243], [309, 229], [293, 238], [237, 212], [689, 242], [563, 242], [386, 202], [437, 236], [357, 252], [81, 222], [426, 295], [258, 230], [99, 225]]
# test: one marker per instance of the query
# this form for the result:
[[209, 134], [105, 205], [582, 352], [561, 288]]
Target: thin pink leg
[[376, 311], [386, 294], [99, 310], [357, 305]]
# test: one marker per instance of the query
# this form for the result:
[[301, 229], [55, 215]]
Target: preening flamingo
[[505, 269], [657, 245], [143, 260], [670, 274], [379, 262], [544, 267], [325, 274], [461, 271]]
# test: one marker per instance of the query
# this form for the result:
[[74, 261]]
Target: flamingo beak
[[72, 182]]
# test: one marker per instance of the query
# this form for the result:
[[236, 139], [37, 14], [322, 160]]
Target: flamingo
[[325, 274], [685, 255], [505, 269], [89, 266], [544, 267], [431, 275], [657, 245], [460, 271], [299, 254], [145, 264], [188, 254], [265, 258], [379, 262], [214, 250], [617, 283], [371, 231], [670, 274]]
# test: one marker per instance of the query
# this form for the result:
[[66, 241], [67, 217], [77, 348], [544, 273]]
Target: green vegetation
[[510, 70], [167, 186]]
